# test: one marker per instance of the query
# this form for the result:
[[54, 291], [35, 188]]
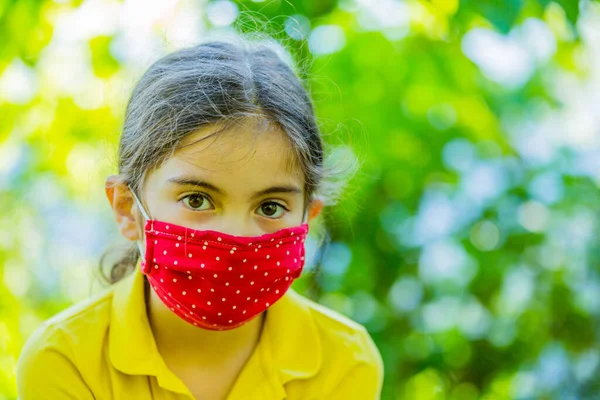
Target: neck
[[181, 343]]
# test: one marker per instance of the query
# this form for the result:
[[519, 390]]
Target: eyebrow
[[190, 181]]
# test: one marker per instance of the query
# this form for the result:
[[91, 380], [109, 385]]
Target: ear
[[121, 201], [314, 208]]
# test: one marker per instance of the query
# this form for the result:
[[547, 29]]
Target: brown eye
[[195, 201], [272, 210]]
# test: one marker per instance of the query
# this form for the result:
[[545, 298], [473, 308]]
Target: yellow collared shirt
[[103, 348]]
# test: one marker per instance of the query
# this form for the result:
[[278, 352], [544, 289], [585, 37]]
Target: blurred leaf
[[103, 62]]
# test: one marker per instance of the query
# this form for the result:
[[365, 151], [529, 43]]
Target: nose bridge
[[237, 223]]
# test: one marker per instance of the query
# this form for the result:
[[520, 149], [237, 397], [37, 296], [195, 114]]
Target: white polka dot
[[183, 293], [208, 302], [259, 246], [178, 237], [277, 292], [156, 267], [252, 283], [156, 242], [295, 260], [241, 276], [165, 252], [294, 242], [174, 279], [193, 306], [199, 290], [203, 317], [195, 324], [219, 239], [302, 258], [170, 295], [255, 250], [268, 304], [219, 314], [203, 247], [226, 283], [278, 263], [161, 280], [292, 233], [223, 299], [256, 267], [268, 256], [217, 258], [176, 244], [154, 260], [256, 300], [172, 309], [205, 243], [215, 275], [288, 271], [234, 249], [244, 260], [244, 312], [190, 255], [238, 292], [287, 252], [248, 298], [191, 313], [230, 321], [266, 273], [281, 241], [201, 265], [175, 262], [178, 306], [276, 245], [189, 277], [250, 244], [231, 252], [167, 226], [192, 235], [234, 307], [212, 290], [262, 289], [287, 278], [230, 268], [272, 239]]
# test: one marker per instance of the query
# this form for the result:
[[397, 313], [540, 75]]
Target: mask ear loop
[[146, 217], [140, 206]]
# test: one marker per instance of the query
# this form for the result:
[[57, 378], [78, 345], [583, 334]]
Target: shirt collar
[[289, 346], [132, 349]]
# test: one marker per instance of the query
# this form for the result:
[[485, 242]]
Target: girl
[[220, 171]]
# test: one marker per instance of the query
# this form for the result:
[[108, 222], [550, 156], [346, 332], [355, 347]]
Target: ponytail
[[124, 260]]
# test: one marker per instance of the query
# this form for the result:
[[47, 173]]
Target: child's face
[[236, 182]]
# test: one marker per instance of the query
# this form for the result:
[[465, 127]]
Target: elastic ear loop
[[305, 215], [140, 206], [146, 217]]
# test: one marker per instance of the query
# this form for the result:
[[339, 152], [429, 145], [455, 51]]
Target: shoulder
[[350, 363], [343, 340], [76, 323], [60, 344]]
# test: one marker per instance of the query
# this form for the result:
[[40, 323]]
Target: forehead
[[250, 155]]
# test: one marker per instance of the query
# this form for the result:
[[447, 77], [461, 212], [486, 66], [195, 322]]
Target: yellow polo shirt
[[103, 348]]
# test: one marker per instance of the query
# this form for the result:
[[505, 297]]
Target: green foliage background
[[467, 243]]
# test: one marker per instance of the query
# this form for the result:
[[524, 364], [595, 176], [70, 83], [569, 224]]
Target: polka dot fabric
[[218, 281]]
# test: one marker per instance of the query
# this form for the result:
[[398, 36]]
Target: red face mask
[[218, 281]]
